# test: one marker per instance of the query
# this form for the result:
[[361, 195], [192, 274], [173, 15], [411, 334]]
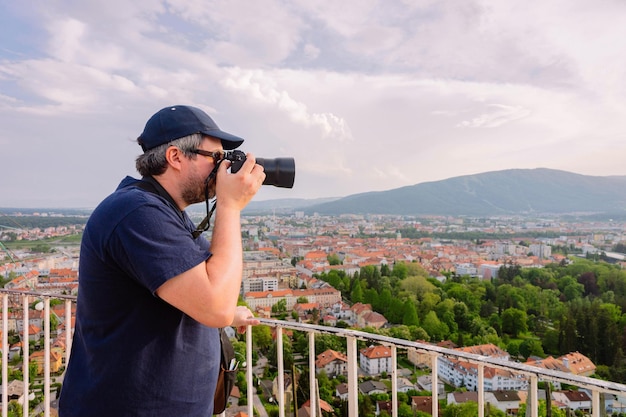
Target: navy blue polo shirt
[[133, 354]]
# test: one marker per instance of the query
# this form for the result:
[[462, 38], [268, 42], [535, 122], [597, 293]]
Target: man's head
[[175, 122], [180, 126], [181, 138], [191, 158]]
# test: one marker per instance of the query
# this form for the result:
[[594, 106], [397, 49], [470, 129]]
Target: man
[[151, 292]]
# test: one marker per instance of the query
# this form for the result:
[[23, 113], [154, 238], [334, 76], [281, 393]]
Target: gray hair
[[153, 162]]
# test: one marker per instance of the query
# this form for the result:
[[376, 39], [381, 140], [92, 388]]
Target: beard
[[194, 190]]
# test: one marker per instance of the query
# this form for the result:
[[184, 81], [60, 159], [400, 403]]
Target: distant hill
[[513, 191]]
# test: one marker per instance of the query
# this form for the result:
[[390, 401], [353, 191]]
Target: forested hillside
[[575, 306], [519, 191]]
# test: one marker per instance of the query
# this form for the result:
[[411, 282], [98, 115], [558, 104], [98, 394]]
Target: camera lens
[[279, 172]]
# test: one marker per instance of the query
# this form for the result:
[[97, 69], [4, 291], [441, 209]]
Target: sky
[[367, 95]]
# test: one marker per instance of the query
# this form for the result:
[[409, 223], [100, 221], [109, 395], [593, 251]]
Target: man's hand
[[234, 191], [243, 318]]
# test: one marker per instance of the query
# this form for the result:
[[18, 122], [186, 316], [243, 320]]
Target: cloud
[[499, 115], [367, 95], [262, 88]]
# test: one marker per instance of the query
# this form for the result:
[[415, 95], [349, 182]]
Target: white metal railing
[[43, 304], [11, 299], [535, 374]]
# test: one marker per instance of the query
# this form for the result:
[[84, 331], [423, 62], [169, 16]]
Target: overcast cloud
[[366, 95]]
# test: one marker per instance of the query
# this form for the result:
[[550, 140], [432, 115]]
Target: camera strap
[[148, 183], [151, 185], [205, 224]]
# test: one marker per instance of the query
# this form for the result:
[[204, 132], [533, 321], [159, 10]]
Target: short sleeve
[[156, 244]]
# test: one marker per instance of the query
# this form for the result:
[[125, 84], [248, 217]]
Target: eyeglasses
[[216, 155]]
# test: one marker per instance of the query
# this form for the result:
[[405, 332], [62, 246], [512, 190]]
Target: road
[[258, 405], [258, 370]]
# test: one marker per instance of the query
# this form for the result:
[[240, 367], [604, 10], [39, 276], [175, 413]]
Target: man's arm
[[209, 291]]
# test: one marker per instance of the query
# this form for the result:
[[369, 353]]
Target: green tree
[[395, 312], [531, 347], [463, 317], [550, 342], [279, 307], [15, 409], [338, 280], [608, 317], [434, 327], [567, 333], [514, 321], [333, 259], [384, 302], [556, 412], [323, 342], [513, 348], [400, 332], [570, 287], [463, 293], [508, 296], [445, 312], [372, 276], [370, 296], [366, 406], [356, 295], [404, 410], [400, 270], [417, 285], [467, 409], [410, 314], [428, 304], [261, 338], [272, 356]]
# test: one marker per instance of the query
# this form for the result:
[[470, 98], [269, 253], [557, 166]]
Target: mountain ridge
[[511, 191]]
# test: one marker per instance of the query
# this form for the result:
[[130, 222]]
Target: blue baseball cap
[[175, 122]]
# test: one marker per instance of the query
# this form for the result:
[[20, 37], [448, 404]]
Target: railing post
[[534, 401], [353, 382], [26, 357], [46, 361], [249, 378], [596, 411], [435, 384], [5, 355], [481, 390], [394, 382], [68, 331], [281, 371], [312, 377]]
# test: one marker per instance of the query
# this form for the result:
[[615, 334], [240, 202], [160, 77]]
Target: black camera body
[[279, 172]]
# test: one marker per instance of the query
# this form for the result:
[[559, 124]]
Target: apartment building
[[375, 360], [464, 374]]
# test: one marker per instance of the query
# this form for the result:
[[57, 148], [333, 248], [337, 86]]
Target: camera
[[279, 172]]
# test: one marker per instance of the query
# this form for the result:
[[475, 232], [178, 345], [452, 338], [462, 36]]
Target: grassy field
[[71, 240]]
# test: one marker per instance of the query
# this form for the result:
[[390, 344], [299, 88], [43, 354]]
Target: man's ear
[[174, 157]]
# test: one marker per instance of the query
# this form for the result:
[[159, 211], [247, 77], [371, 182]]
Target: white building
[[332, 363], [375, 360], [466, 269], [259, 284], [465, 374]]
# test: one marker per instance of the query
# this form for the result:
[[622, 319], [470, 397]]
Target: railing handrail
[[529, 370], [39, 294]]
